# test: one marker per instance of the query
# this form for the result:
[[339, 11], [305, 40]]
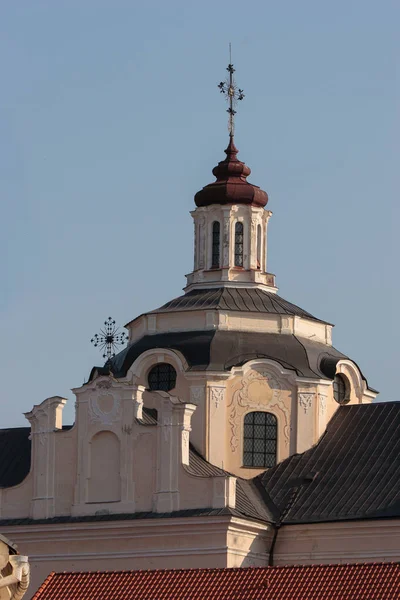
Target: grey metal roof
[[15, 453], [221, 350], [236, 299], [249, 498], [352, 473]]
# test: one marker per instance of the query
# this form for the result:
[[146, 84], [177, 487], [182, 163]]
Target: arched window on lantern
[[216, 244], [260, 440], [239, 244], [259, 246]]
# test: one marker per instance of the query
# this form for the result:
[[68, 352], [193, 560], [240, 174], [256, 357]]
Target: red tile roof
[[312, 582]]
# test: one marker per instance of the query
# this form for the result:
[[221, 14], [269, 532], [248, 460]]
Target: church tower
[[230, 230], [216, 422]]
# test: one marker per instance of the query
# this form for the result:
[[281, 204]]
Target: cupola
[[231, 185]]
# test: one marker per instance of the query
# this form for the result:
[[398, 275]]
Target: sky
[[111, 121]]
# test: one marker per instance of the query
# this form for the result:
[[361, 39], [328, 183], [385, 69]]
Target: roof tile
[[371, 581]]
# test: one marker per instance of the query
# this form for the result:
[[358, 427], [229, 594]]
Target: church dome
[[231, 185]]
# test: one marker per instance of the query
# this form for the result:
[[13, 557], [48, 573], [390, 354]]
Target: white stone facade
[[207, 271]]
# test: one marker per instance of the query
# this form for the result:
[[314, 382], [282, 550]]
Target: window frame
[[345, 387], [270, 458], [171, 371], [238, 250], [216, 245]]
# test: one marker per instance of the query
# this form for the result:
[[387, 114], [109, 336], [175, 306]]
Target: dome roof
[[231, 185]]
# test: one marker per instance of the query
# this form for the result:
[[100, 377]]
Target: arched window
[[239, 244], [258, 246], [341, 391], [215, 244], [260, 440], [162, 377]]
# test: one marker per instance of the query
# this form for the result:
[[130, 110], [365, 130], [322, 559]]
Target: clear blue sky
[[111, 120]]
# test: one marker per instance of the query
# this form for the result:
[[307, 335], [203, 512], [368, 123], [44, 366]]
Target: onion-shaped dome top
[[231, 185]]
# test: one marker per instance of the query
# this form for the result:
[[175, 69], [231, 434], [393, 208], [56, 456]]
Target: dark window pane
[[248, 459], [270, 419], [259, 431], [259, 460], [260, 439], [270, 432], [162, 377], [215, 244], [340, 390], [239, 244], [247, 445], [259, 418], [270, 460], [259, 445]]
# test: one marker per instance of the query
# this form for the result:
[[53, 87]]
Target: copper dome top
[[231, 185]]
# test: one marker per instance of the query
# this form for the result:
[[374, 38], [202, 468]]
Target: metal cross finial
[[232, 93], [109, 338]]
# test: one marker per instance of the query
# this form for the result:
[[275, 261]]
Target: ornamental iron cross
[[232, 93], [109, 338]]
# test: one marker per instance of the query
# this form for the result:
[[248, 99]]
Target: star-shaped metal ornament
[[109, 339]]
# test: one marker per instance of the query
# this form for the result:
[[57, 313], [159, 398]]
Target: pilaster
[[172, 450], [45, 420]]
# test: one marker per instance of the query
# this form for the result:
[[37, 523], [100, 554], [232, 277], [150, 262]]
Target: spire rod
[[232, 94]]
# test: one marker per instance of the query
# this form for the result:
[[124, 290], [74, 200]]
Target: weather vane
[[109, 338], [232, 93]]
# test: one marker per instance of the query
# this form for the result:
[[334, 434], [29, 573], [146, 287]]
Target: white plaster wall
[[339, 542], [206, 542]]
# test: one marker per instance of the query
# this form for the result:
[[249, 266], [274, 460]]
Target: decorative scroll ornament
[[322, 404], [109, 338], [242, 400], [185, 440], [104, 409], [217, 395], [305, 400]]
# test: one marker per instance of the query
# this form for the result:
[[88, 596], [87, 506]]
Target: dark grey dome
[[231, 298]]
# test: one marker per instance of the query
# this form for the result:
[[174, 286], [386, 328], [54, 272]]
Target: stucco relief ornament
[[322, 404], [39, 431], [305, 400], [104, 385], [241, 400], [104, 409], [217, 395], [43, 436], [185, 439]]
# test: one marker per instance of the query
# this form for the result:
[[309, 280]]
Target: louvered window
[[260, 440], [239, 244], [215, 244], [162, 377]]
